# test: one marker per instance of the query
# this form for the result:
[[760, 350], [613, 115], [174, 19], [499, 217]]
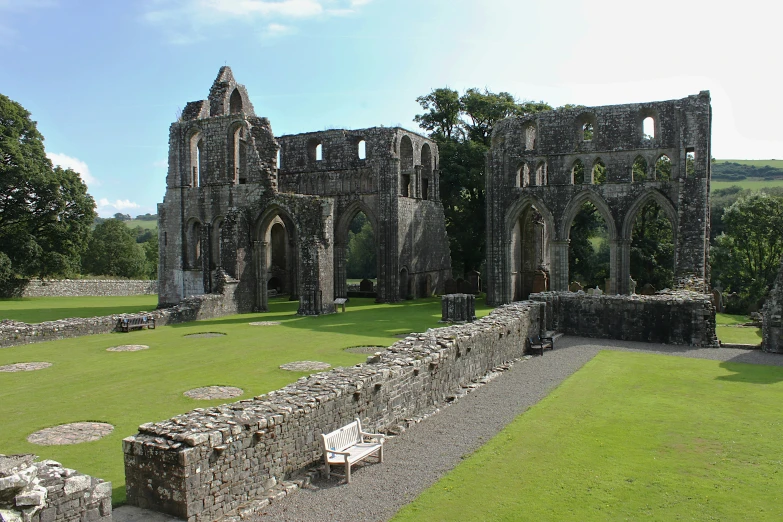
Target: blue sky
[[104, 79]]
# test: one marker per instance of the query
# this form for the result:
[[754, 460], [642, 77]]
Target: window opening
[[362, 150], [599, 172], [578, 173], [663, 168], [648, 128], [639, 169], [319, 152], [587, 131]]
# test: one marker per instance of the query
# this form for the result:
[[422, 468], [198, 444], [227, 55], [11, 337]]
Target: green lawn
[[87, 383], [629, 437], [729, 331], [39, 309]]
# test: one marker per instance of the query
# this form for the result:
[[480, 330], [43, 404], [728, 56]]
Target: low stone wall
[[676, 317], [87, 287], [772, 326], [47, 492], [206, 463], [207, 306]]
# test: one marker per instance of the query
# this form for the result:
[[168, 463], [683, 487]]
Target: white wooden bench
[[347, 446]]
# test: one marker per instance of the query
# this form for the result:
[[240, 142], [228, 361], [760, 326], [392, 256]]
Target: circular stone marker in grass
[[365, 349], [128, 348], [264, 323], [304, 366], [25, 367], [74, 433], [206, 334], [214, 392]]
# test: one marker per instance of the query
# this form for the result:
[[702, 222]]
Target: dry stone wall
[[88, 287], [678, 317], [206, 463], [47, 492], [194, 308]]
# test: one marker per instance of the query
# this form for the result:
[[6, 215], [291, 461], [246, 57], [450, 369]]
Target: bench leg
[[347, 473], [328, 471], [381, 455]]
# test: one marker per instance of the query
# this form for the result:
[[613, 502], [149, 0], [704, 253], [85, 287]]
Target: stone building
[[272, 213], [543, 167]]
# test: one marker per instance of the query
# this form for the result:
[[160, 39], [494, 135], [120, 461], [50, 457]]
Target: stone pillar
[[340, 280], [559, 273], [259, 255], [620, 268], [458, 308], [206, 256]]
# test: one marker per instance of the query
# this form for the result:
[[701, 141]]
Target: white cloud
[[159, 164], [75, 164], [186, 20], [109, 208]]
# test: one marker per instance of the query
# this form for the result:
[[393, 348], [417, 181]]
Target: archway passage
[[652, 248], [278, 260], [361, 252], [529, 254], [589, 249]]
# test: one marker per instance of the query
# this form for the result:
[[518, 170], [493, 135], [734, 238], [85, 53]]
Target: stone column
[[620, 271], [559, 274], [340, 280], [206, 256], [458, 308], [259, 254]]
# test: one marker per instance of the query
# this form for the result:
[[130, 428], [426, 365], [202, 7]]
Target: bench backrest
[[344, 437]]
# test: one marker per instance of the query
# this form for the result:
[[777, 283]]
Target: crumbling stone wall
[[677, 317], [208, 306], [276, 211], [203, 464], [47, 492], [772, 326], [534, 193], [88, 287]]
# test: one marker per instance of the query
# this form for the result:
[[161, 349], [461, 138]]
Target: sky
[[105, 79]]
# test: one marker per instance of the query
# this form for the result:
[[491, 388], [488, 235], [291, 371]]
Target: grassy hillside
[[750, 183], [146, 225], [778, 164]]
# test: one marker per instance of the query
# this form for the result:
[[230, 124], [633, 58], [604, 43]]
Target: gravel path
[[421, 455]]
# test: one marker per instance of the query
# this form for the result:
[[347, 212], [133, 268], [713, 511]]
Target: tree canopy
[[45, 212], [462, 126], [113, 251]]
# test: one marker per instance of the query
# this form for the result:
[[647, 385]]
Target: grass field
[[133, 223], [629, 437], [750, 183], [87, 383], [39, 309], [778, 164], [729, 331]]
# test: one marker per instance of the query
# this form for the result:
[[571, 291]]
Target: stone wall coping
[[218, 425]]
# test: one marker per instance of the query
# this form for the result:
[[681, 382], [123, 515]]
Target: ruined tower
[[270, 213]]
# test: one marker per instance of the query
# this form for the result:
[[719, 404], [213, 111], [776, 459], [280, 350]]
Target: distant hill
[[738, 170]]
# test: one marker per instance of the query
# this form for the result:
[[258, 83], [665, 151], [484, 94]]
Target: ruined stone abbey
[[261, 213]]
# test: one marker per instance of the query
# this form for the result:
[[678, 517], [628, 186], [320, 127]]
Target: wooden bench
[[347, 446], [141, 321], [539, 344]]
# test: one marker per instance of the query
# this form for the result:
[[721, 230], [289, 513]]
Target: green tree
[[113, 251], [361, 253], [462, 127], [746, 257], [150, 247], [652, 248], [45, 212], [588, 253]]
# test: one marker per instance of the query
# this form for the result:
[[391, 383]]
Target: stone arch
[[235, 102], [640, 170], [236, 150], [663, 202], [585, 127], [426, 170], [276, 214], [341, 227], [405, 279], [406, 166], [663, 168], [528, 233], [576, 204], [216, 247], [541, 173], [193, 244], [578, 172], [197, 158], [530, 136], [644, 114]]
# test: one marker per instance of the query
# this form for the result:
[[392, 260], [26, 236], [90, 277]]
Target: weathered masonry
[[542, 168], [274, 212], [773, 311]]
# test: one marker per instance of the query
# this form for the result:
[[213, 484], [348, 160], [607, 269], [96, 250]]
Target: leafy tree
[[746, 257], [462, 127], [652, 248], [122, 217], [588, 254], [361, 255], [150, 247], [45, 212], [113, 251]]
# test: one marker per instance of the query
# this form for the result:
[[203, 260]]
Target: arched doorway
[[355, 249], [589, 253], [404, 290], [530, 253], [276, 252]]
